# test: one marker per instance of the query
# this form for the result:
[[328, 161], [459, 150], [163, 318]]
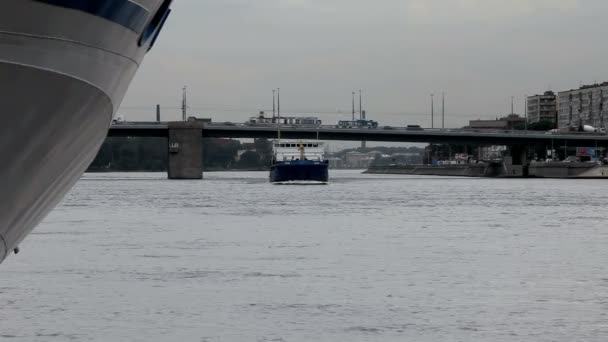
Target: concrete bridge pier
[[519, 154], [517, 164], [185, 150]]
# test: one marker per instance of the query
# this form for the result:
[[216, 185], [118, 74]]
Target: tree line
[[151, 154]]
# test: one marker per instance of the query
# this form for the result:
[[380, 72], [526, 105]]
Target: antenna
[[184, 103], [526, 110], [279, 114], [432, 110], [442, 110], [353, 106], [360, 104], [512, 104], [273, 103], [602, 108], [362, 114]]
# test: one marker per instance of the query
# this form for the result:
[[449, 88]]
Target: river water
[[135, 257]]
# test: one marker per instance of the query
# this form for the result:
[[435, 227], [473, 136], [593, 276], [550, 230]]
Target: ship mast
[[301, 151]]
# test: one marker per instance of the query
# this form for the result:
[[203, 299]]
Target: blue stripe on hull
[[122, 12], [303, 171]]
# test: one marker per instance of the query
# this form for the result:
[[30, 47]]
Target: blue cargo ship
[[299, 162]]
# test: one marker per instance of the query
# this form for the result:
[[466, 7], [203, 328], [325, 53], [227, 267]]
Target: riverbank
[[559, 170], [204, 170], [500, 170], [567, 170]]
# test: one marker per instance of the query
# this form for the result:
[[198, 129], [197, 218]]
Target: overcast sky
[[232, 53]]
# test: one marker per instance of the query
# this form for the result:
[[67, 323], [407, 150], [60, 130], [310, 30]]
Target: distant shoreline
[[165, 171], [209, 170]]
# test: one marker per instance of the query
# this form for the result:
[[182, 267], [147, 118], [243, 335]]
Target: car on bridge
[[414, 128]]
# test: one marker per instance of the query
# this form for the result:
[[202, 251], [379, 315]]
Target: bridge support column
[[519, 154], [517, 165], [185, 150]]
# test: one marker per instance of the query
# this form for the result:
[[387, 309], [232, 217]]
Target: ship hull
[[299, 171], [65, 71]]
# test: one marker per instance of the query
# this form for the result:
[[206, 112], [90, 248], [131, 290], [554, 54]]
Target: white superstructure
[[287, 150], [65, 67]]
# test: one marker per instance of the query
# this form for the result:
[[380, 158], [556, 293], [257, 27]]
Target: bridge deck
[[392, 134]]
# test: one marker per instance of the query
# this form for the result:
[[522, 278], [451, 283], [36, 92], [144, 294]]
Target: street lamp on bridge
[[432, 110]]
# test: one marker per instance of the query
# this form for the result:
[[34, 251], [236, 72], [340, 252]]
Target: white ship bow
[[65, 67]]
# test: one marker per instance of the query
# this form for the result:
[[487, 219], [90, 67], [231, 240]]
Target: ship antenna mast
[[301, 148]]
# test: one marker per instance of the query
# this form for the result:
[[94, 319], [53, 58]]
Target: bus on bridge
[[357, 124]]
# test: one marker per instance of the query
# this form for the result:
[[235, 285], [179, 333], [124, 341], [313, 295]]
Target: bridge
[[382, 134], [185, 138]]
